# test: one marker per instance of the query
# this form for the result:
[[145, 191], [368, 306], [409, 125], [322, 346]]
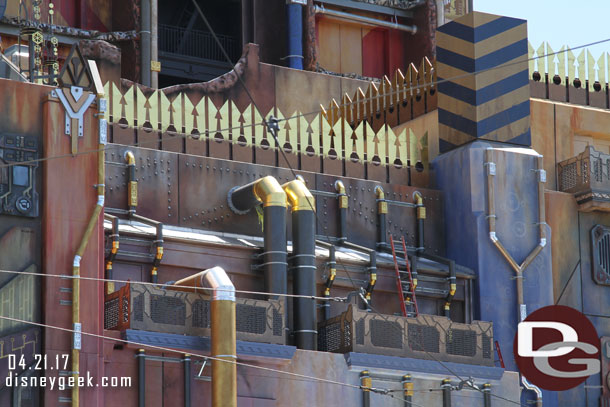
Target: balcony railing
[[195, 43], [587, 176]]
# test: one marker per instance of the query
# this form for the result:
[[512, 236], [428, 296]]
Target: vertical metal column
[[446, 386], [407, 387], [366, 384], [187, 380], [145, 42], [141, 355]]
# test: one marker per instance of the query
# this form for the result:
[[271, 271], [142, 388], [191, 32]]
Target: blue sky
[[560, 22]]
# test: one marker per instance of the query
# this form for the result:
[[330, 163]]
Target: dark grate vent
[[138, 308], [111, 313], [251, 319], [487, 352], [387, 334], [167, 310], [201, 314], [600, 243], [360, 331], [329, 337], [461, 342], [423, 338], [277, 323]]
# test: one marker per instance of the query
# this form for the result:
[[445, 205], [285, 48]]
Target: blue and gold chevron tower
[[494, 103]]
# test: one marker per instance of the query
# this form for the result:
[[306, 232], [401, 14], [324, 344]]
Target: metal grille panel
[[356, 330], [387, 334], [152, 309], [423, 338], [461, 342], [600, 244], [250, 319]]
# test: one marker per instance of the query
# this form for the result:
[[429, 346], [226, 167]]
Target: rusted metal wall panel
[[64, 222]]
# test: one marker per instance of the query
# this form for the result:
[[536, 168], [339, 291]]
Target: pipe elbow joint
[[266, 191], [218, 280], [269, 192], [298, 196], [340, 188], [382, 205], [130, 158]]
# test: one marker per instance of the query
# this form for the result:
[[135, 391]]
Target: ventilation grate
[[111, 313], [461, 342], [251, 319], [329, 337], [138, 308], [278, 325], [360, 331], [201, 314], [600, 242], [487, 352], [167, 310], [387, 334], [423, 338]]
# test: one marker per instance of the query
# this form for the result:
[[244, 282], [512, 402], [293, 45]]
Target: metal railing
[[195, 43]]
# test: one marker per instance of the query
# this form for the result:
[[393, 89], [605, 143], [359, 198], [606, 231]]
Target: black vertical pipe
[[332, 273], [141, 378], [487, 395], [407, 387], [274, 257], [158, 254], [382, 210], [304, 278], [446, 386], [452, 288], [187, 380], [420, 235], [366, 384], [343, 206]]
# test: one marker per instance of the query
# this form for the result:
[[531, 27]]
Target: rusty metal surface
[[157, 176]]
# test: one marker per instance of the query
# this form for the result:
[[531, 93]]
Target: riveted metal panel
[[157, 177], [205, 184], [403, 222]]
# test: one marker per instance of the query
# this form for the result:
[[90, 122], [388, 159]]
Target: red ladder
[[404, 289]]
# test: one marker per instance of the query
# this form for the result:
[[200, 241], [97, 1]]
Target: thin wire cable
[[107, 280], [392, 91], [382, 391]]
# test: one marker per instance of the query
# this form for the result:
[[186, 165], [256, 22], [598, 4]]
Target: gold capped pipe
[[382, 210], [299, 196], [132, 198], [266, 191], [343, 206], [366, 383]]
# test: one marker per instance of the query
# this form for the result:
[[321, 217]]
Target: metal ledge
[[369, 361], [203, 344], [374, 8]]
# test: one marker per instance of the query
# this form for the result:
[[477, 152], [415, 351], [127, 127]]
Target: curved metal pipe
[[268, 192], [343, 206], [304, 263], [365, 20], [93, 221], [382, 210], [372, 269], [224, 373], [518, 268]]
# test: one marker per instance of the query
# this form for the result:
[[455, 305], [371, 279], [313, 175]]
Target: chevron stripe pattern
[[494, 103]]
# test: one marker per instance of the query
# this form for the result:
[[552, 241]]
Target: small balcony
[[587, 176], [194, 54]]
